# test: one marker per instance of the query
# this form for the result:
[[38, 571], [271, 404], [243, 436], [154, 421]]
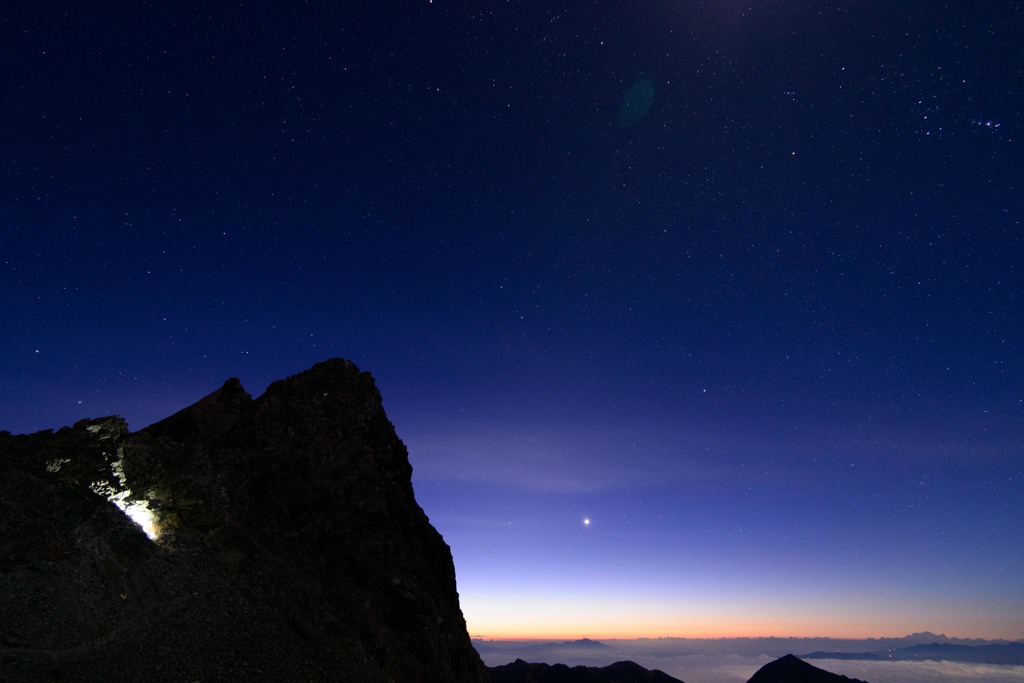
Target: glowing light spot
[[120, 495], [140, 513], [586, 521]]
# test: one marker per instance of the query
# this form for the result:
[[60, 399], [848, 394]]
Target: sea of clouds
[[736, 660]]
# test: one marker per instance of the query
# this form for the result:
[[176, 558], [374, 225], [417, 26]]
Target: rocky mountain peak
[[290, 545], [792, 669]]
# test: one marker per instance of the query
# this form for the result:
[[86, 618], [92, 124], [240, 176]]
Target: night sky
[[699, 318]]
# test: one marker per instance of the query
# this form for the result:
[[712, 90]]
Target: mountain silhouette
[[619, 672], [791, 669], [290, 547], [585, 642]]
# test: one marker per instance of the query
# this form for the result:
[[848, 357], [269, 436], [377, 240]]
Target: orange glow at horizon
[[596, 631], [737, 631], [622, 627], [608, 619]]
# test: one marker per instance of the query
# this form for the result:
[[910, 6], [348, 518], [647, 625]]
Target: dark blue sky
[[740, 282]]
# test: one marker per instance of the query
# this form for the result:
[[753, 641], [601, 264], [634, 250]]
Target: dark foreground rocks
[[290, 546]]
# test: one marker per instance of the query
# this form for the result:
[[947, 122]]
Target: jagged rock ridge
[[520, 671], [291, 546]]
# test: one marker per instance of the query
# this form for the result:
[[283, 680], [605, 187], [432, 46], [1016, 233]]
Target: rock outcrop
[[290, 546], [792, 669], [619, 672]]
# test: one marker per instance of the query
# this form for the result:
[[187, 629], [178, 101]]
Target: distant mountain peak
[[928, 634], [585, 642]]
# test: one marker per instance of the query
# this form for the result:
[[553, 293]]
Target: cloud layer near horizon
[[695, 661]]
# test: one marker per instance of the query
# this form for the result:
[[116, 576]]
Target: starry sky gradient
[[739, 282]]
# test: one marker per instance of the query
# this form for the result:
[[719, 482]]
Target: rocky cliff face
[[289, 547]]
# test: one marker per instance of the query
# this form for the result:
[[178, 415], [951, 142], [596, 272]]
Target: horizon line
[[575, 639]]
